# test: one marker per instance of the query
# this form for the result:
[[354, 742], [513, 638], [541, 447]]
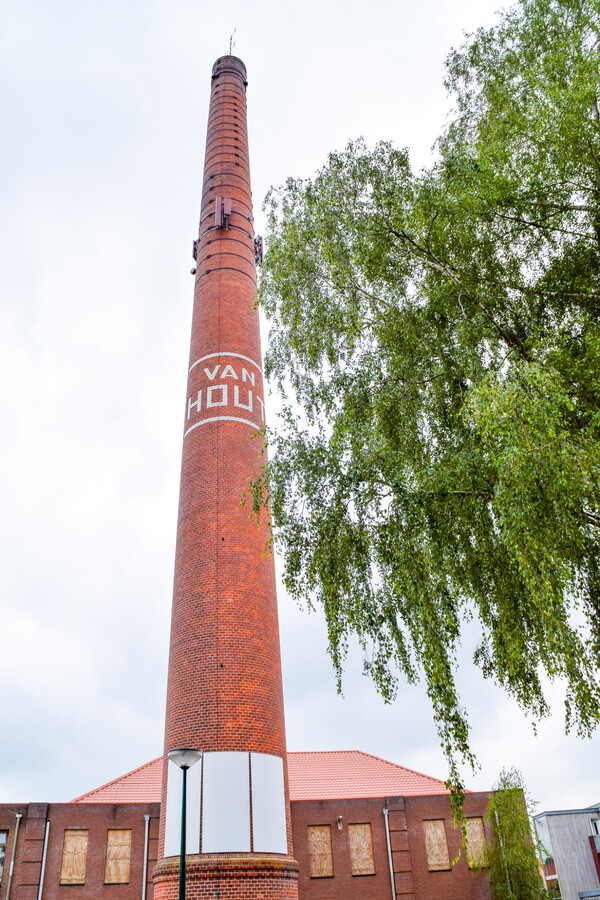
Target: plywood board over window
[[72, 870], [475, 842], [319, 850], [3, 841], [361, 849], [118, 856], [436, 845]]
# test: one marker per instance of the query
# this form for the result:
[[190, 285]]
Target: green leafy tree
[[510, 852], [436, 338]]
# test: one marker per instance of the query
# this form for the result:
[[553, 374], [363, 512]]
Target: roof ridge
[[404, 768], [380, 759], [120, 778], [314, 752]]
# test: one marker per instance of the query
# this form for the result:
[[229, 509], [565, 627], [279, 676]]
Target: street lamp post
[[185, 759]]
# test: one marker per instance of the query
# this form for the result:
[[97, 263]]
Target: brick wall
[[97, 818], [412, 878], [343, 885], [238, 876], [460, 883]]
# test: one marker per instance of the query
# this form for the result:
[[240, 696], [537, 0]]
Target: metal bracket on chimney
[[222, 212]]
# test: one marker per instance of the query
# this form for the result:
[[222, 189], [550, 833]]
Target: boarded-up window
[[319, 849], [72, 870], [475, 842], [118, 856], [3, 841], [436, 845], [361, 849]]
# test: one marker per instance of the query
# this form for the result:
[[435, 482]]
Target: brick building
[[104, 844], [261, 822]]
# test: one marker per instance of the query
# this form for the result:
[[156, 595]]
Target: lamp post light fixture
[[185, 759]]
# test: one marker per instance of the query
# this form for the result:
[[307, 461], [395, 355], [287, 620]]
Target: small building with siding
[[569, 842]]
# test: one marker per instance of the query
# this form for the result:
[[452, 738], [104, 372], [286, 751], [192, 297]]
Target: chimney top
[[230, 65]]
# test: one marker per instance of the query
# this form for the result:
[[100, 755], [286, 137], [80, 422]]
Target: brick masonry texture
[[230, 877], [412, 878], [343, 885], [240, 876], [460, 882], [97, 819], [224, 689]]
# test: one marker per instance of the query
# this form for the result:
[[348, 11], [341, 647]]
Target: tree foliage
[[510, 853], [436, 336]]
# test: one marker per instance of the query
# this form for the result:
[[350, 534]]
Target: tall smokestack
[[224, 694]]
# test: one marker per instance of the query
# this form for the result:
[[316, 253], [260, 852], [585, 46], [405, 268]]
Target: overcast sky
[[103, 108]]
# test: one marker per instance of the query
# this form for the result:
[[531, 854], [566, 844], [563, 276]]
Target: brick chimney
[[224, 694]]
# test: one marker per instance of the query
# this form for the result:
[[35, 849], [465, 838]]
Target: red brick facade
[[459, 881], [413, 879], [97, 819], [235, 876]]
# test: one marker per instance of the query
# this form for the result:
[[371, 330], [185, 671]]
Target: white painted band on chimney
[[231, 785], [173, 810]]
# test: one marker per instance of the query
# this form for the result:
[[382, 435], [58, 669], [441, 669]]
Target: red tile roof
[[351, 774], [327, 775], [142, 785]]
